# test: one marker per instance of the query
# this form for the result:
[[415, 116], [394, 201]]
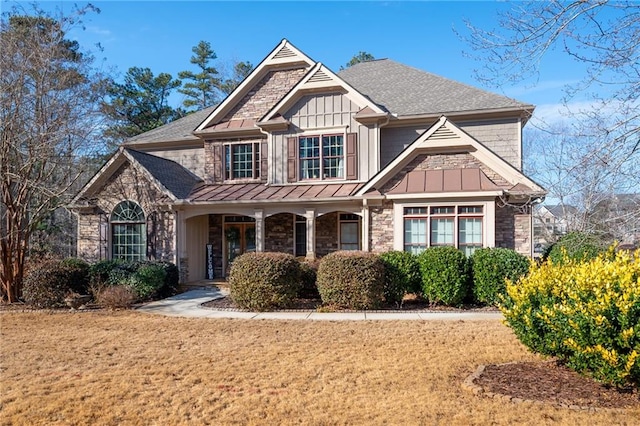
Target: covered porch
[[210, 237]]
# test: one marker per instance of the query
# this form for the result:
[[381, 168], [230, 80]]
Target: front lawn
[[131, 368]]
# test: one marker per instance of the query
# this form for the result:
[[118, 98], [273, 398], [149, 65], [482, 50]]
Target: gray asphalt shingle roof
[[396, 88], [178, 180], [175, 131], [404, 90]]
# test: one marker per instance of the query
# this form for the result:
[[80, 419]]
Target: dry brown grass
[[132, 368]]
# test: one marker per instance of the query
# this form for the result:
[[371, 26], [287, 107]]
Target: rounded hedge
[[264, 281], [490, 267], [47, 284], [351, 280], [402, 275], [78, 274], [576, 245], [585, 313], [445, 275]]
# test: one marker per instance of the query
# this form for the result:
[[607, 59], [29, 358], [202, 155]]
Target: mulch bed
[[553, 383], [410, 304]]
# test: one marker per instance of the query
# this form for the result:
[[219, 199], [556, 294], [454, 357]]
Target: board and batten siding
[[501, 136], [324, 113], [191, 159]]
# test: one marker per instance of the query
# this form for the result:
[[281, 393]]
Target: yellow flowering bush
[[587, 314]]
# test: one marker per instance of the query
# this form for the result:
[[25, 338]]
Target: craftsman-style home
[[299, 159]]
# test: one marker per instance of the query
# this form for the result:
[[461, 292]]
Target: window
[[349, 232], [242, 161], [321, 157], [458, 226], [128, 234], [301, 235]]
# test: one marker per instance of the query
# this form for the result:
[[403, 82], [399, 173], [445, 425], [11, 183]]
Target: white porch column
[[259, 216], [311, 234], [365, 226]]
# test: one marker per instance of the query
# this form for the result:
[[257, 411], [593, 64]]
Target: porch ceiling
[[262, 192]]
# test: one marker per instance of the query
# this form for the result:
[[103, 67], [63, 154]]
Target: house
[[617, 218], [303, 160], [550, 222]]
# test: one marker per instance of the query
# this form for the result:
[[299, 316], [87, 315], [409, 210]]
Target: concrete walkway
[[189, 304]]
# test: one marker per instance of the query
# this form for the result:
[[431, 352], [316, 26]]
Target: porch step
[[219, 283]]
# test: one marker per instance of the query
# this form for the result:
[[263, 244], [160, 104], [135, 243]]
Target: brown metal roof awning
[[449, 180], [261, 192]]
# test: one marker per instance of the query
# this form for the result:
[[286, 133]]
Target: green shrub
[[402, 275], [445, 275], [147, 280], [78, 271], [308, 275], [351, 279], [99, 272], [172, 279], [116, 297], [264, 281], [577, 246], [587, 314], [490, 267], [46, 284]]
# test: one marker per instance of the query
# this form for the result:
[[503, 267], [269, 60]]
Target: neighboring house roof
[[175, 178], [558, 210], [260, 192], [178, 130], [404, 90]]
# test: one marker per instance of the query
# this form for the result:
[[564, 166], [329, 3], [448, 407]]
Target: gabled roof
[[446, 137], [178, 130], [284, 55], [406, 91], [318, 78], [175, 178], [169, 177]]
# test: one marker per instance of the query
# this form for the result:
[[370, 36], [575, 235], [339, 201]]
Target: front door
[[239, 238]]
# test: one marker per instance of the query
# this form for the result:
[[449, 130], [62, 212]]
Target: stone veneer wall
[[381, 227], [279, 233], [264, 95], [89, 241], [513, 228], [326, 234], [444, 161], [127, 183]]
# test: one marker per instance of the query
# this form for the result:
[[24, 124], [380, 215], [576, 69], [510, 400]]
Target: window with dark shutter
[[352, 156], [292, 159], [263, 160], [217, 163]]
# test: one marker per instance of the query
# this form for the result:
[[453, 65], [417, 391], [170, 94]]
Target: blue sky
[[160, 35]]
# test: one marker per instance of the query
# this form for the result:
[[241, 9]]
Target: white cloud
[[98, 31]]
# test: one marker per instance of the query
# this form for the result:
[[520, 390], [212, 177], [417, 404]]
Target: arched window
[[128, 233]]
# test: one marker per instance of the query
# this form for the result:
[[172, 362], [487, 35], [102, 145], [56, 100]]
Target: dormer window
[[242, 161]]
